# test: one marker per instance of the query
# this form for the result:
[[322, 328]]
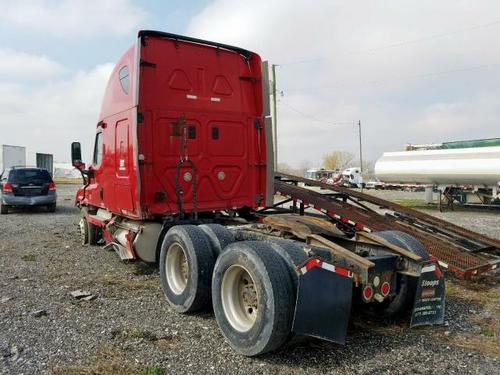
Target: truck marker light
[[7, 188], [52, 186], [193, 97], [368, 293], [385, 288], [214, 99]]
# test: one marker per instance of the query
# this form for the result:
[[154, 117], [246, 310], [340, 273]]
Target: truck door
[[122, 191]]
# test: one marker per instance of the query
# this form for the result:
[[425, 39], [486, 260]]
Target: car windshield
[[22, 176]]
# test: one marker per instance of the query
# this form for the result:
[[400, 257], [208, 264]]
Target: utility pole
[[360, 149], [275, 116]]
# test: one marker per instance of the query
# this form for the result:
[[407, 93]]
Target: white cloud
[[19, 65], [69, 18], [48, 117], [362, 71]]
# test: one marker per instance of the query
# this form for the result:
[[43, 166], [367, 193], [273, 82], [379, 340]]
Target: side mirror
[[76, 156]]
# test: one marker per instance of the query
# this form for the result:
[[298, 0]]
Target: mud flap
[[324, 297], [428, 308]]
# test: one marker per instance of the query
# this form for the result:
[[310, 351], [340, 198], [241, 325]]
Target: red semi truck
[[181, 171]]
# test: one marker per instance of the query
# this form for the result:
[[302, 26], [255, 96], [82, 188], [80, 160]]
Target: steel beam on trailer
[[451, 246], [459, 231]]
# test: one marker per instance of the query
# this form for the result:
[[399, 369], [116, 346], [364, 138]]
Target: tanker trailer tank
[[477, 167]]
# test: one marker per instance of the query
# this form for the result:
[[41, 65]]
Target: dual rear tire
[[251, 284]]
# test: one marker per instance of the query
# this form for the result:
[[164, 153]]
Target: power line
[[402, 78], [314, 118], [398, 44]]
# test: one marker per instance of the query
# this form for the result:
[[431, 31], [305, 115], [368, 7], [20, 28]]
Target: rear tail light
[[7, 188], [385, 288], [367, 293], [52, 186]]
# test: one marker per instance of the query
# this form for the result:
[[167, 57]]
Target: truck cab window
[[98, 149], [124, 79]]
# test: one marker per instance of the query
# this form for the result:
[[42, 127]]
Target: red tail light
[[52, 186], [7, 188], [368, 293], [385, 288]]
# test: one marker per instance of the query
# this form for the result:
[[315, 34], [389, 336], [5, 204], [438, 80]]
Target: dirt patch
[[109, 360]]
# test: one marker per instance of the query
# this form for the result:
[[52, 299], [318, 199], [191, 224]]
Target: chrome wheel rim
[[177, 268], [239, 298]]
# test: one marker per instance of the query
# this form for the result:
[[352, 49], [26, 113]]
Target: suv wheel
[[51, 207], [4, 209]]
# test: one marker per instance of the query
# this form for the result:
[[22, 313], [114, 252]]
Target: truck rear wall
[[215, 95]]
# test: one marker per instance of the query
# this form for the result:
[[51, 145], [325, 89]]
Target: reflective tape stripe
[[430, 268], [328, 267], [313, 262]]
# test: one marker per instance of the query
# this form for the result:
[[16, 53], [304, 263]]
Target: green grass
[[488, 332], [140, 333], [411, 202], [156, 370], [28, 258]]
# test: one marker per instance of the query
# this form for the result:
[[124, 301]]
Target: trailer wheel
[[4, 209], [186, 265], [253, 297], [218, 236], [406, 285]]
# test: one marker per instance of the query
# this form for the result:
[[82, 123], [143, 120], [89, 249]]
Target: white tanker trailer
[[472, 171]]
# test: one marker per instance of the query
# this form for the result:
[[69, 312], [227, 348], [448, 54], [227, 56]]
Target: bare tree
[[337, 160]]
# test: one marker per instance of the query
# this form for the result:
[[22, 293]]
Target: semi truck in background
[[182, 175], [12, 156]]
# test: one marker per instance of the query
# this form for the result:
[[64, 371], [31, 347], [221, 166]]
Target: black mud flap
[[428, 308], [324, 299]]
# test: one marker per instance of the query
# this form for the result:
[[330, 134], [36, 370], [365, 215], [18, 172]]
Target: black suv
[[22, 186]]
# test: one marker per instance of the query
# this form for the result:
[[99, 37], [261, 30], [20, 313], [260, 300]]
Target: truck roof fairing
[[161, 34]]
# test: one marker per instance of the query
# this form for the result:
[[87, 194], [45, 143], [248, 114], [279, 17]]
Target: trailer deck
[[459, 250]]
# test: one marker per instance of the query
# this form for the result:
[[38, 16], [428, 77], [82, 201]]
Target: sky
[[411, 72]]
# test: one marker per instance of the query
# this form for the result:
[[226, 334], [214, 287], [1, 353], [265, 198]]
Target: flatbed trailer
[[459, 250]]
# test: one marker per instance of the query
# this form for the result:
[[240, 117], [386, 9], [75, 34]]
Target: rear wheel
[[218, 235], [253, 297], [51, 207], [406, 286], [293, 255], [186, 265], [4, 209]]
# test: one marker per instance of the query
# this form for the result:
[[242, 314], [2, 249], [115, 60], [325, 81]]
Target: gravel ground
[[128, 327]]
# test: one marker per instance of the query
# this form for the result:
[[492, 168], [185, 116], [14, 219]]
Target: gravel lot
[[128, 326]]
